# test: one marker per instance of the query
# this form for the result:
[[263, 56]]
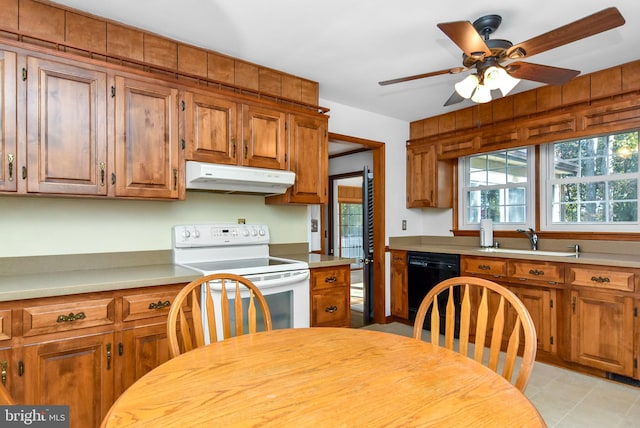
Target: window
[[591, 184], [351, 231], [497, 186]]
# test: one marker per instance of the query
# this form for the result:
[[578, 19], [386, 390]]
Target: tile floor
[[567, 399]]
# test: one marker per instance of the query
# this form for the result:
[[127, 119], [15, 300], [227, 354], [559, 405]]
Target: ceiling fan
[[497, 62]]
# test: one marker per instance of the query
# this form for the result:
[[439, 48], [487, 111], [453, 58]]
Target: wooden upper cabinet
[[146, 141], [8, 116], [263, 137], [66, 127], [211, 129], [309, 159], [429, 181]]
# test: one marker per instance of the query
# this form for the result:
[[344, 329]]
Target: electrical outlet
[[404, 224], [242, 221], [314, 225]]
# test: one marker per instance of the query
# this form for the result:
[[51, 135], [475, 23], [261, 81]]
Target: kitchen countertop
[[59, 275], [589, 254]]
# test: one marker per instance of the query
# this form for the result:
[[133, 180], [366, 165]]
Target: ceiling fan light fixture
[[507, 84], [482, 94], [466, 86], [496, 77]]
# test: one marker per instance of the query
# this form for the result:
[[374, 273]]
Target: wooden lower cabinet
[[77, 372], [399, 285], [541, 304], [141, 350], [330, 296], [83, 350], [602, 330]]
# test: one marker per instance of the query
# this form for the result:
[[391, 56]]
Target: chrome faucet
[[533, 237]]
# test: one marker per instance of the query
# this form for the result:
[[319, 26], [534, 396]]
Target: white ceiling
[[349, 45]]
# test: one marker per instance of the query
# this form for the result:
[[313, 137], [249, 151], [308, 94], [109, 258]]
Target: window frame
[[530, 211], [546, 205]]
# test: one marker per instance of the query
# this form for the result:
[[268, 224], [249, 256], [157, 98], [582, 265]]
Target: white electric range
[[243, 249]]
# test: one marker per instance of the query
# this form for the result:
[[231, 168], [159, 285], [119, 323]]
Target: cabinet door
[[77, 372], [66, 128], [211, 129], [8, 370], [142, 349], [146, 146], [309, 159], [399, 290], [429, 182], [602, 331], [8, 117], [540, 303], [263, 135]]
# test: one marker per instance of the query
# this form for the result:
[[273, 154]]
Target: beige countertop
[[591, 252], [46, 276]]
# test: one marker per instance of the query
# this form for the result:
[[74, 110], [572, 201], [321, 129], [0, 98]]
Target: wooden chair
[[186, 325], [5, 397], [491, 309]]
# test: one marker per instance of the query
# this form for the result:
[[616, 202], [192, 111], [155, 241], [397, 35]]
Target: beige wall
[[44, 226]]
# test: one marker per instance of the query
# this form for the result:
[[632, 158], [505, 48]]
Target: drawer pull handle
[[536, 272], [484, 267], [330, 279], [160, 304], [71, 317], [600, 279], [3, 366], [331, 309]]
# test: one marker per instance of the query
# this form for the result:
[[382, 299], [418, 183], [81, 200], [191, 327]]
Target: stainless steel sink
[[528, 252]]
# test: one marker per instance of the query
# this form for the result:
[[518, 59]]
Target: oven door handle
[[294, 278]]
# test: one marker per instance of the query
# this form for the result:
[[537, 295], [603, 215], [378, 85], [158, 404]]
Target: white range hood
[[237, 179]]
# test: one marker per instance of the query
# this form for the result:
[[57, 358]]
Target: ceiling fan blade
[[463, 34], [422, 76], [588, 26], [455, 98], [541, 73]]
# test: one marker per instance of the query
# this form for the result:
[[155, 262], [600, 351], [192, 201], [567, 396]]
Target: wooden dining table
[[333, 377]]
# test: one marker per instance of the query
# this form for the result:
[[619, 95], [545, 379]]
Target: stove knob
[[245, 232], [261, 232], [254, 232], [186, 234]]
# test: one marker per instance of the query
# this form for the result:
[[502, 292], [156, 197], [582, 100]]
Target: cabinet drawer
[[550, 273], [484, 266], [67, 316], [147, 305], [602, 277], [330, 277], [331, 308]]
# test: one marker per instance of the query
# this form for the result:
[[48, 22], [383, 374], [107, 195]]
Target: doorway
[[346, 221], [376, 265]]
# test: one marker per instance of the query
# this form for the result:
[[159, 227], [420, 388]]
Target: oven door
[[286, 293]]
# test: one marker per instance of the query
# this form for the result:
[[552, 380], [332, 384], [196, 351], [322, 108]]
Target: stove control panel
[[214, 235]]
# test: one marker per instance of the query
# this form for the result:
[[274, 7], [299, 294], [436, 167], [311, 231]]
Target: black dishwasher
[[424, 271]]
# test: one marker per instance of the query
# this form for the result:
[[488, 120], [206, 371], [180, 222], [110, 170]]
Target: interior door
[[367, 243]]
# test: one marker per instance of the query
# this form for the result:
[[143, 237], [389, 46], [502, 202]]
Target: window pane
[[591, 212], [517, 214], [624, 211]]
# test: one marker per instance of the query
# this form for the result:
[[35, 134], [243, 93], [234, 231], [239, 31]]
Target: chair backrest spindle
[[193, 311], [479, 308]]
